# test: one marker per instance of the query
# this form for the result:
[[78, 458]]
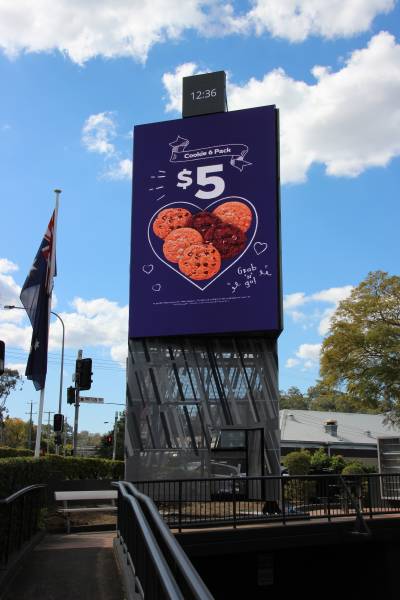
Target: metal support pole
[[75, 439], [115, 436], [65, 435], [61, 369], [30, 428]]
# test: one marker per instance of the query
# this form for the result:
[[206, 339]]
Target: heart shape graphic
[[198, 285], [260, 247], [147, 269], [156, 287]]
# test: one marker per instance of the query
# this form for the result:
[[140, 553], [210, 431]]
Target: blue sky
[[76, 76]]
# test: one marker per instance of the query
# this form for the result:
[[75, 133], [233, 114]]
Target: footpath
[[69, 567]]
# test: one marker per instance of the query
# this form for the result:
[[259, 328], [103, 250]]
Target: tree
[[106, 450], [15, 432], [293, 398], [8, 382], [325, 398], [361, 353]]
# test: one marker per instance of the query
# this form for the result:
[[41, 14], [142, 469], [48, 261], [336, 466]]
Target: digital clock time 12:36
[[203, 94]]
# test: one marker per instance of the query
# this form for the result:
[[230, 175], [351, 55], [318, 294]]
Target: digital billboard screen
[[205, 247]]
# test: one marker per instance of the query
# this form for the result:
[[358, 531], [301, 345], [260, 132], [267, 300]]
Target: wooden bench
[[93, 496]]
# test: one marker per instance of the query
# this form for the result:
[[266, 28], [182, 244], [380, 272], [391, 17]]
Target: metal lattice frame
[[181, 390]]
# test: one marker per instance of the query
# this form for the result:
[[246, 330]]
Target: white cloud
[[122, 169], [331, 296], [309, 352], [97, 133], [334, 295], [293, 300], [295, 20], [9, 292], [83, 30], [349, 120], [98, 322], [307, 355], [108, 28], [20, 367], [291, 362], [6, 266], [173, 84]]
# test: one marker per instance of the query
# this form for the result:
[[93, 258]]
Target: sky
[[77, 75]]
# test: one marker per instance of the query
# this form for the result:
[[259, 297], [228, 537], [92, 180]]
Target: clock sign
[[204, 94]]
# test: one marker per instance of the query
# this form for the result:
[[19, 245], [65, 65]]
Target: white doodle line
[[249, 245]]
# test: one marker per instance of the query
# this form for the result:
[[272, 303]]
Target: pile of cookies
[[199, 242]]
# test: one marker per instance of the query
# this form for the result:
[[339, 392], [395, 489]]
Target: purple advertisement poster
[[205, 253]]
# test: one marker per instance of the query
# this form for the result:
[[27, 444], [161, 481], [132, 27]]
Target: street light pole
[[10, 307]]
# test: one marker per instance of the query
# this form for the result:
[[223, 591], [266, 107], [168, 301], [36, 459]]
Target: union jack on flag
[[36, 299]]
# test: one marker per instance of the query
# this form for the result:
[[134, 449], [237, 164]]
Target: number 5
[[203, 179]]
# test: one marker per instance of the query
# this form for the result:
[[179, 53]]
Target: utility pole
[[48, 428], [115, 436], [75, 438], [65, 434], [30, 428]]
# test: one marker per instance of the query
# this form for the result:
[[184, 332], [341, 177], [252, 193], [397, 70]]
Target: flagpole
[[39, 425], [52, 265]]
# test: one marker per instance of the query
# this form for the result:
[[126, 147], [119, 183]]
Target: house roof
[[352, 428]]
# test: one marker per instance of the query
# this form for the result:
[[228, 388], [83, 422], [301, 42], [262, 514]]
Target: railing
[[19, 519], [160, 567], [241, 500]]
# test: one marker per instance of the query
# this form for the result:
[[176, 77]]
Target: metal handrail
[[19, 519], [167, 579], [152, 526], [19, 493]]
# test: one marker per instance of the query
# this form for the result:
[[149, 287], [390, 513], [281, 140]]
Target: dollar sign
[[184, 179]]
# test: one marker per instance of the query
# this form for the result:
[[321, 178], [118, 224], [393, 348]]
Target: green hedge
[[6, 452], [18, 472]]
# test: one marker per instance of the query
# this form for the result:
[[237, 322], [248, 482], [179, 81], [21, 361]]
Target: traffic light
[[109, 440], [83, 373], [71, 395], [58, 423], [2, 356]]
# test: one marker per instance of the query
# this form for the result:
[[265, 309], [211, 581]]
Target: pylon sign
[[205, 253]]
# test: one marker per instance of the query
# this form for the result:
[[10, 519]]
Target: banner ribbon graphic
[[234, 152]]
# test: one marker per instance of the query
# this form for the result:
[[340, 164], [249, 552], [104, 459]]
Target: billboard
[[205, 244]]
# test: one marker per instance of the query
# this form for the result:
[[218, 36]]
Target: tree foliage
[[15, 432], [8, 382], [293, 398], [361, 353], [105, 450], [321, 397]]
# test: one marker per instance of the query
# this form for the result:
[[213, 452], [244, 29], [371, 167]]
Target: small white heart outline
[[265, 247], [203, 209], [147, 269]]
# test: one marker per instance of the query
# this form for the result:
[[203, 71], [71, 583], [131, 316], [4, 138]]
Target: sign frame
[[271, 331]]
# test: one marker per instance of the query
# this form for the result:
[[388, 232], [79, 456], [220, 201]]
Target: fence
[[19, 519], [240, 500], [160, 568]]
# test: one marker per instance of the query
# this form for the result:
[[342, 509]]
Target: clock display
[[203, 94]]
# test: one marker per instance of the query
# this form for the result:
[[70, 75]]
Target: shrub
[[6, 452], [298, 462], [19, 472], [320, 460], [354, 468]]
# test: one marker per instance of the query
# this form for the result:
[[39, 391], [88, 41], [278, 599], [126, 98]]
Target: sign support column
[[76, 418]]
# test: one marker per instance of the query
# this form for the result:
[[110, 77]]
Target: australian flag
[[36, 298]]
